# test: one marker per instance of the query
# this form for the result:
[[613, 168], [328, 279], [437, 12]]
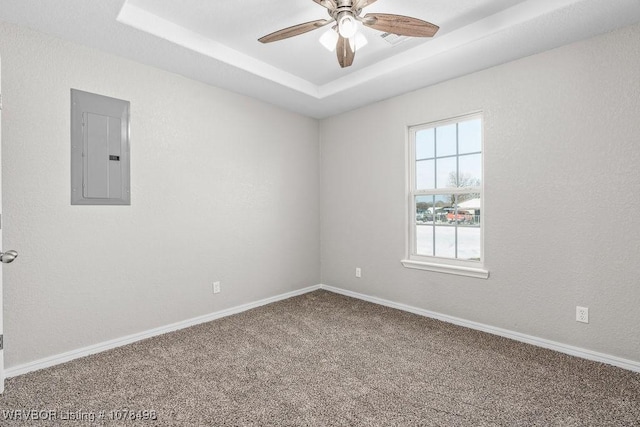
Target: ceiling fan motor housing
[[343, 7]]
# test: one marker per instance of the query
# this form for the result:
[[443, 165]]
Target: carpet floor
[[323, 359]]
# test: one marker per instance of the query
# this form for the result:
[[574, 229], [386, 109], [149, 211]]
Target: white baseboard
[[540, 342], [118, 342]]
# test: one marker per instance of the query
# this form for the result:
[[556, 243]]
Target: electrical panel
[[100, 164]]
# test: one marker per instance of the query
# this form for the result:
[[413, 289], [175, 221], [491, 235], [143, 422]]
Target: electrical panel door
[[100, 166]]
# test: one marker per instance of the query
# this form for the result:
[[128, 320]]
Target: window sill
[[448, 269]]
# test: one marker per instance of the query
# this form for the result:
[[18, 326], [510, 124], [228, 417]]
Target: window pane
[[469, 243], [470, 136], [424, 209], [424, 239], [425, 174], [446, 140], [445, 242], [425, 144], [469, 208], [446, 172], [470, 170], [444, 203]]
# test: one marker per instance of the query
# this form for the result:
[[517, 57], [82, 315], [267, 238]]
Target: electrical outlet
[[358, 272], [216, 287], [582, 314]]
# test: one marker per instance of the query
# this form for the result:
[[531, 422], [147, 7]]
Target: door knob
[[9, 256]]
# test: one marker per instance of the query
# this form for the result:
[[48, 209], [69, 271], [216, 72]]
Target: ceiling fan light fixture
[[347, 25], [358, 41], [329, 40]]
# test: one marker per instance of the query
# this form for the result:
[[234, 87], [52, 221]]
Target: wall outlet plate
[[216, 287], [582, 314], [358, 272]]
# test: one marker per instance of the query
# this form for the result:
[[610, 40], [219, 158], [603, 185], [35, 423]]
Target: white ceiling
[[216, 41]]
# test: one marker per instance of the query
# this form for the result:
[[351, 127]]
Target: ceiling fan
[[346, 13]]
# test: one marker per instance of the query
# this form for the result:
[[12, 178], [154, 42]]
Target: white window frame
[[433, 263]]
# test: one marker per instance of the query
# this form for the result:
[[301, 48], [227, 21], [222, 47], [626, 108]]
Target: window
[[445, 197]]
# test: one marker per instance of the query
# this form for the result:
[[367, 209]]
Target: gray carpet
[[323, 359]]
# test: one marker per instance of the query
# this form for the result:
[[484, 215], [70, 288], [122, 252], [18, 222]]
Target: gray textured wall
[[223, 188], [226, 188], [562, 194]]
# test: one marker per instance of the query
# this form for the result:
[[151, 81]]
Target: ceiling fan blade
[[345, 53], [296, 30], [359, 4], [329, 4], [400, 25]]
